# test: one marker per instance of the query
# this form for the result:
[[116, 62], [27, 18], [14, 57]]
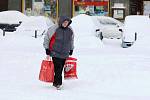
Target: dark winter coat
[[59, 40]]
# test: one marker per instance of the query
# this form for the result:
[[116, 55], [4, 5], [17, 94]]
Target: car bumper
[[126, 44]]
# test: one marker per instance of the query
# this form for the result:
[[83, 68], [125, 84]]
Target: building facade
[[121, 8], [91, 7], [55, 8], [10, 5]]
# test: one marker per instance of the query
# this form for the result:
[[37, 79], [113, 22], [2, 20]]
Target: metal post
[[4, 32], [101, 35], [35, 33], [135, 36]]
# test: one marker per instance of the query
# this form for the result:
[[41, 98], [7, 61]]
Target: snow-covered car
[[12, 17], [39, 24], [135, 27], [108, 27], [9, 20]]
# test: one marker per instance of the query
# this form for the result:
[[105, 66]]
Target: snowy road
[[106, 71]]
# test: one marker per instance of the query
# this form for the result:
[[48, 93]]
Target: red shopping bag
[[70, 68], [46, 71]]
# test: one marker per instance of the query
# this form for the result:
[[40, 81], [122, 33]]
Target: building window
[[28, 4], [92, 7], [146, 7], [50, 7], [28, 7], [38, 0], [118, 13]]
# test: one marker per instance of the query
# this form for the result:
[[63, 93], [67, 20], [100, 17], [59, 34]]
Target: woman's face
[[65, 23]]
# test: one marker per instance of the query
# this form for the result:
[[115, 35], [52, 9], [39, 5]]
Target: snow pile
[[84, 29], [12, 17], [83, 24]]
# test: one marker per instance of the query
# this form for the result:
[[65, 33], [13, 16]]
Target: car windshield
[[107, 22]]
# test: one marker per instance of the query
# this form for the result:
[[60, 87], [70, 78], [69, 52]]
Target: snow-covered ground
[[105, 70]]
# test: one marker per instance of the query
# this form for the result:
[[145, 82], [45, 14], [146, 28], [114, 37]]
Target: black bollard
[[3, 32], [35, 33]]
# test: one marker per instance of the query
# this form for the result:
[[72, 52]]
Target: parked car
[[135, 27], [108, 27], [16, 21], [39, 23], [10, 20], [12, 17]]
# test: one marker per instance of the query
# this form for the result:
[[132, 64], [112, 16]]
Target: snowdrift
[[84, 30], [83, 24]]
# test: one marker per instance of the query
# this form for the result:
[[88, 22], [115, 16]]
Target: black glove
[[47, 52], [71, 52]]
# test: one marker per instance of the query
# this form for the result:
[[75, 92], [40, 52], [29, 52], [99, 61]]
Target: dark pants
[[58, 68]]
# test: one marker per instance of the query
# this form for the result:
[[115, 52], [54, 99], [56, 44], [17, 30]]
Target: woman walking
[[59, 44]]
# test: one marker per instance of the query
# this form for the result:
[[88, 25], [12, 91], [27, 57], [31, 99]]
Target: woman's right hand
[[48, 57], [47, 52]]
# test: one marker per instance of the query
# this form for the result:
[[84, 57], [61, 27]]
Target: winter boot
[[59, 87]]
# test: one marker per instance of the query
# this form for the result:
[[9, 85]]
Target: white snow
[[105, 70]]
